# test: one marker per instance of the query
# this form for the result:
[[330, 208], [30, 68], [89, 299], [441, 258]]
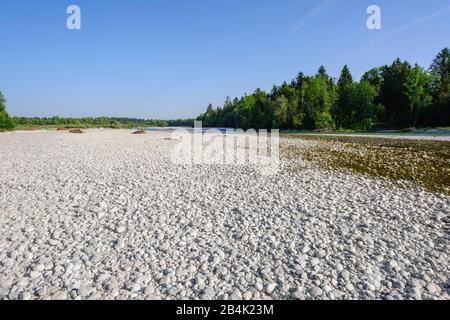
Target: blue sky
[[169, 59]]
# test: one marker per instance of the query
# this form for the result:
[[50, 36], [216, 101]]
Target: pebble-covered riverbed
[[106, 215]]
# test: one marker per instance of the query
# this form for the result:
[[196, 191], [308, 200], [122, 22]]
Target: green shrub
[[5, 122]]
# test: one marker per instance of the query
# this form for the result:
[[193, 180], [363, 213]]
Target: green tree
[[281, 113], [440, 71], [373, 77], [290, 99], [345, 91], [2, 103], [393, 96], [417, 90], [262, 113], [323, 72], [317, 103], [243, 111], [6, 122], [364, 108], [298, 81]]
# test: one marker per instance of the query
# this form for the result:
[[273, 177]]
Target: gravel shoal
[[106, 215]]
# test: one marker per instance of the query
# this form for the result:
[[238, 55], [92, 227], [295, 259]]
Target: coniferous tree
[[440, 70], [323, 72], [345, 90], [393, 96]]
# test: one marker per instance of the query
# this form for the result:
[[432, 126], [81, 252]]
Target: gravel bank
[[106, 215]]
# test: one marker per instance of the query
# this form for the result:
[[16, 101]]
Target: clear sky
[[169, 59]]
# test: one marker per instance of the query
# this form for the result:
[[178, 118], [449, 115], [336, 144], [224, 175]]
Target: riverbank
[[105, 214]]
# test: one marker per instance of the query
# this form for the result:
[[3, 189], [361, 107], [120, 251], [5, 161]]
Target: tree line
[[8, 123], [87, 122], [393, 96]]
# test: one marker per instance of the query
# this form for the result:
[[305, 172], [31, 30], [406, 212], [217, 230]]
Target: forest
[[395, 96], [8, 123], [98, 122]]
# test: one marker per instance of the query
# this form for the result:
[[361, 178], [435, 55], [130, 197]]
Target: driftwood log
[[140, 131]]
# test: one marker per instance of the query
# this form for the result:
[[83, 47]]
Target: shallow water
[[190, 130]]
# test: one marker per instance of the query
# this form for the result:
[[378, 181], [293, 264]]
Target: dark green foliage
[[440, 82], [180, 123], [5, 121], [418, 93], [87, 122], [364, 111], [373, 77], [316, 103], [346, 88], [100, 122], [395, 96]]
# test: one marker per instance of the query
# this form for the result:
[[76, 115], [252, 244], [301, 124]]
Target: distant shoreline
[[428, 134]]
